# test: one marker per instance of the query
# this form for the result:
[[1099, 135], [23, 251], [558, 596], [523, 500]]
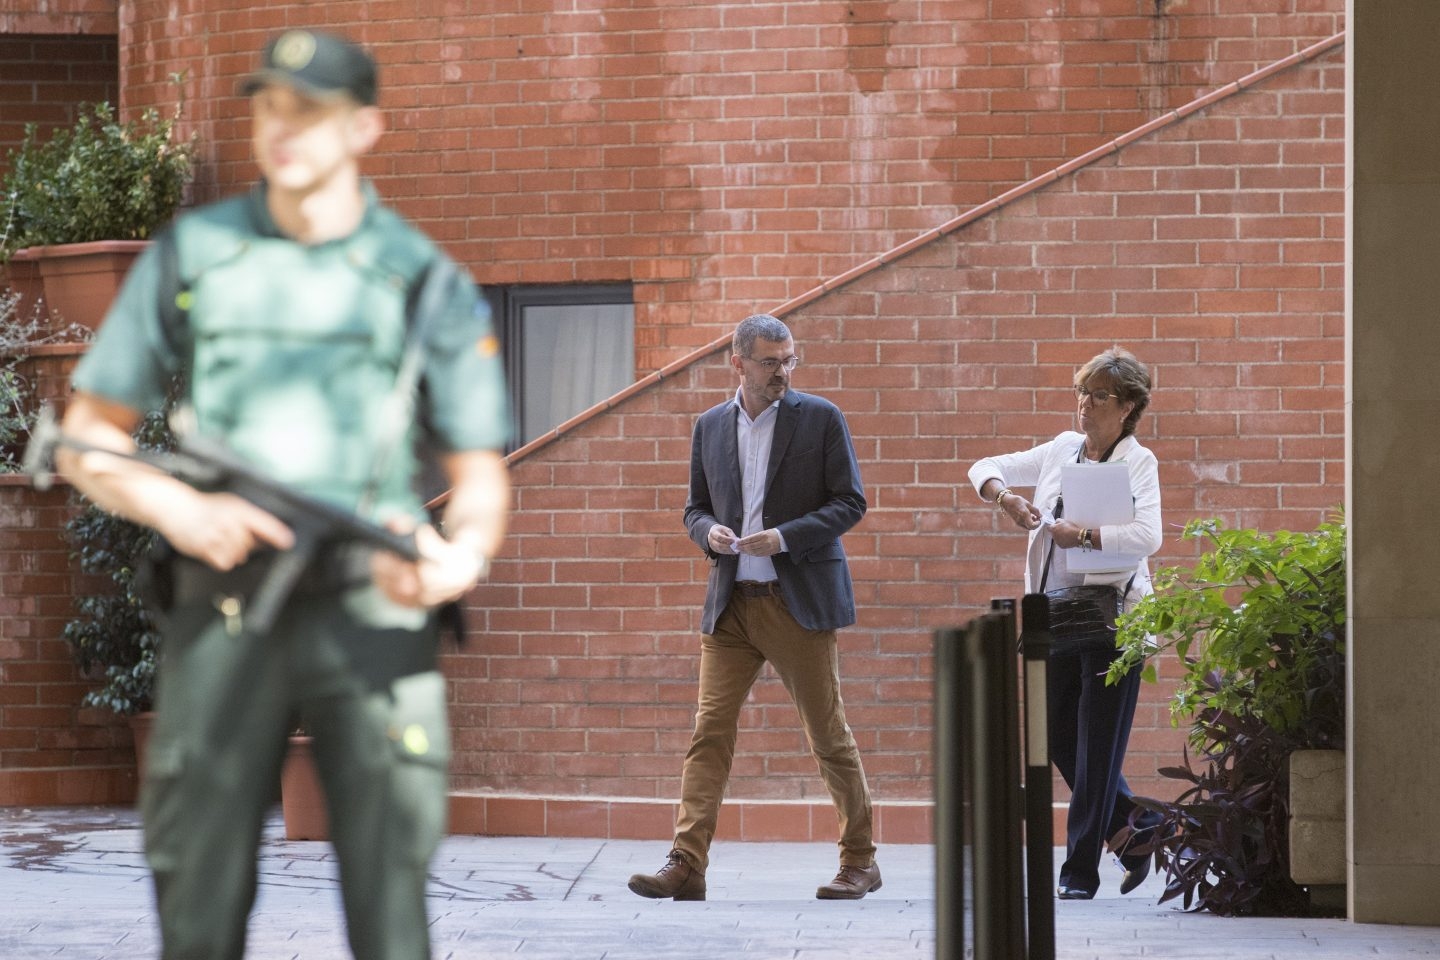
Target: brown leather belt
[[754, 589]]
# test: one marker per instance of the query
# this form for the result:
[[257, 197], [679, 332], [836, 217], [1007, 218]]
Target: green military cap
[[318, 64]]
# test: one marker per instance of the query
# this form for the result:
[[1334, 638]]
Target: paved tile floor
[[73, 886]]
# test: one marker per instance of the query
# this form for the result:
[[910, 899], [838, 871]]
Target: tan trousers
[[749, 633]]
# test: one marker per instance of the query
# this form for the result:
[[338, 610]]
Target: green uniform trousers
[[226, 700]]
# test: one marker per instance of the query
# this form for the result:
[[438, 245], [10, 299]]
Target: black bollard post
[[950, 684], [999, 917], [1035, 641], [1005, 651]]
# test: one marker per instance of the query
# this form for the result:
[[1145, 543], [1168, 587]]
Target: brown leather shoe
[[676, 879], [851, 883]]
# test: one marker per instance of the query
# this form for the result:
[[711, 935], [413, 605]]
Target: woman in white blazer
[[1089, 722]]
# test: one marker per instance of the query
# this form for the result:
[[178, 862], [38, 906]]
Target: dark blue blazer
[[812, 496]]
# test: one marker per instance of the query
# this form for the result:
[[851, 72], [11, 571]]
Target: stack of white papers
[[1097, 495]]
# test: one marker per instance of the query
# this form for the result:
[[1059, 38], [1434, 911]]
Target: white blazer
[[1039, 467]]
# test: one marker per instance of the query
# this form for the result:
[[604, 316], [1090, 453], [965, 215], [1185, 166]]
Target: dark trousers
[[371, 696], [1089, 725]]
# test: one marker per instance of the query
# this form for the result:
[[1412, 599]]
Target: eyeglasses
[[1098, 397], [771, 365]]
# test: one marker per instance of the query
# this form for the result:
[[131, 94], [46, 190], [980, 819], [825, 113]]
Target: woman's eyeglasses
[[1097, 397]]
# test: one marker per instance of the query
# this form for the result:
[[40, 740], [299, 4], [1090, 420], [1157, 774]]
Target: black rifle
[[208, 466]]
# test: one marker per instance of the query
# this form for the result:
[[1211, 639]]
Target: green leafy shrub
[[114, 638], [98, 180], [1258, 624]]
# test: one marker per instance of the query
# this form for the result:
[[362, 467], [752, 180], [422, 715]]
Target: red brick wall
[[1213, 250], [43, 79], [718, 154], [51, 749], [569, 149]]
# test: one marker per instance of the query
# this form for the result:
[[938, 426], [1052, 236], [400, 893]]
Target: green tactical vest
[[294, 349]]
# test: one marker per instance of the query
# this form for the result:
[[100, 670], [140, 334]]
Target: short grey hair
[[761, 326], [1129, 378]]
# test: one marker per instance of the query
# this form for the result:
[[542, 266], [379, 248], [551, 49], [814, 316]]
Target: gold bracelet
[[1004, 491]]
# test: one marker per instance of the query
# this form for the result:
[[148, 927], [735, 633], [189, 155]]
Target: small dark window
[[566, 349]]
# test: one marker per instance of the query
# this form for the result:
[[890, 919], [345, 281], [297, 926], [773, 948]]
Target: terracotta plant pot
[[22, 275], [80, 280], [140, 724], [301, 797]]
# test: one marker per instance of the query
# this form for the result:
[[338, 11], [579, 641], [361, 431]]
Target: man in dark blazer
[[778, 467]]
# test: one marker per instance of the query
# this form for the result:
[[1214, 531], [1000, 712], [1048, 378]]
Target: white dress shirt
[[753, 440]]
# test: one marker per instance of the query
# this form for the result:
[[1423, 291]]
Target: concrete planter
[[1317, 818]]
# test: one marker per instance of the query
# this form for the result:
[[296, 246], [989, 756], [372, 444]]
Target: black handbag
[[1082, 618]]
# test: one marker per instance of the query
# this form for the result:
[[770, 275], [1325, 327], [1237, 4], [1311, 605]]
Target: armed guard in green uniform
[[318, 337]]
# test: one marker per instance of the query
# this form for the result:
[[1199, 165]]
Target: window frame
[[508, 304]]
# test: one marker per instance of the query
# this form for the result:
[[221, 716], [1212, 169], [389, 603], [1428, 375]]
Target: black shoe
[[1067, 892], [1137, 868], [1136, 865]]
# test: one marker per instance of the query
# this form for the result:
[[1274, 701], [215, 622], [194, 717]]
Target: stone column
[[1393, 457]]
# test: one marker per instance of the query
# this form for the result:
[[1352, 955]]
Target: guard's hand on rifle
[[220, 529], [95, 451], [444, 572]]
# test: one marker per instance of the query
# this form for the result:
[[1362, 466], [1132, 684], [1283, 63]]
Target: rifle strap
[[427, 298], [173, 301]]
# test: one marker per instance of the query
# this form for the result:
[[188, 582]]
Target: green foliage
[[114, 638], [1259, 624], [99, 180]]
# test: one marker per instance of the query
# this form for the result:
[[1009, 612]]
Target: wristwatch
[[1086, 541]]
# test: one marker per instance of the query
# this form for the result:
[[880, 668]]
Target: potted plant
[[20, 334], [35, 358], [1258, 623], [82, 204], [16, 408], [114, 638], [302, 796]]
